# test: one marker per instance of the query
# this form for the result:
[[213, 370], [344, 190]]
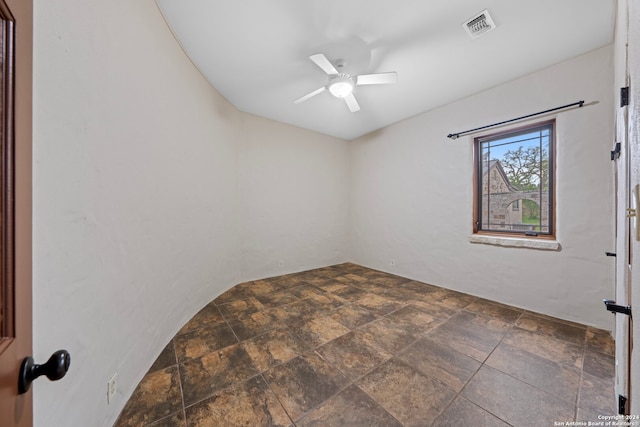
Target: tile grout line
[[277, 397], [238, 343], [340, 390], [184, 409], [215, 351], [483, 363], [311, 348], [393, 356], [224, 318], [350, 382], [575, 405], [325, 310], [579, 394]]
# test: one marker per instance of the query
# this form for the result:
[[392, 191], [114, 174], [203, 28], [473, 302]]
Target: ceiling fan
[[341, 85]]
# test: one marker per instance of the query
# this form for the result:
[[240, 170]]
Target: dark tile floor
[[350, 346]]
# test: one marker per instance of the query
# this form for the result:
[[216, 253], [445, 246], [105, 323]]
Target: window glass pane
[[516, 194]]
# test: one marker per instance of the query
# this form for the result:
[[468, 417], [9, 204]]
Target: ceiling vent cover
[[479, 25]]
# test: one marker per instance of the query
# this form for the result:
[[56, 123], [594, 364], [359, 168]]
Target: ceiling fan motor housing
[[341, 85]]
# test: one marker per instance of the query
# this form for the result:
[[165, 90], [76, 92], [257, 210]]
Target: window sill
[[516, 242]]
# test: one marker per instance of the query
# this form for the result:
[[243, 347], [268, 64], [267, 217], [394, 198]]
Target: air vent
[[479, 25]]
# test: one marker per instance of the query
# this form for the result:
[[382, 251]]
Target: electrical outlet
[[112, 386], [281, 263], [393, 263]]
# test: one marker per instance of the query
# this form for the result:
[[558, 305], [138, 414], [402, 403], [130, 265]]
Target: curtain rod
[[456, 135]]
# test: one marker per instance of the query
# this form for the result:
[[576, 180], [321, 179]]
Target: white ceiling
[[256, 52]]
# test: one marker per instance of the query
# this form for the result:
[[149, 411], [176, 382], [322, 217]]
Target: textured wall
[[294, 199], [412, 196], [152, 195], [137, 198]]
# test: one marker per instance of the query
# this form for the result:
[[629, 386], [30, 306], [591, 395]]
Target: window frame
[[478, 184]]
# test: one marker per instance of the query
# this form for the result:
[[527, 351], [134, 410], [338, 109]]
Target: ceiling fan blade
[[377, 79], [352, 103], [322, 62], [309, 95]]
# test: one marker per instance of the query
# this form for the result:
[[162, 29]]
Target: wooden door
[[15, 207]]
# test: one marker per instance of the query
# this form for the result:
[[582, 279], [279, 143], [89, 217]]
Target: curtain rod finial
[[453, 136]]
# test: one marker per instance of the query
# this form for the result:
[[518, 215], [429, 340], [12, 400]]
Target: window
[[514, 182]]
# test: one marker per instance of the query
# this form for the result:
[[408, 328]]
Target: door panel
[[624, 233], [15, 345], [623, 259]]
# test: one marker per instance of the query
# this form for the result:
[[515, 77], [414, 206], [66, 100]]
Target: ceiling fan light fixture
[[341, 86]]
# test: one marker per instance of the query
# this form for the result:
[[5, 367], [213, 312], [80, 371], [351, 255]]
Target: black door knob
[[55, 368]]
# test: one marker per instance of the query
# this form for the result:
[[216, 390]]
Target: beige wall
[[135, 200], [142, 211], [293, 198], [412, 196], [152, 195]]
